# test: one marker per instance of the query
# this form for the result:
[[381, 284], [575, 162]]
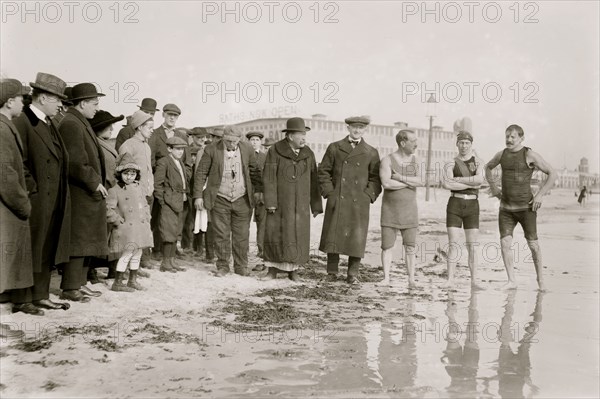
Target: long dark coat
[[290, 184], [15, 238], [86, 172], [46, 176], [210, 171], [169, 191], [349, 179]]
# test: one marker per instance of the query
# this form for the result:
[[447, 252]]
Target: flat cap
[[138, 119], [254, 134], [172, 108], [176, 142], [199, 131], [231, 132], [362, 120], [11, 88]]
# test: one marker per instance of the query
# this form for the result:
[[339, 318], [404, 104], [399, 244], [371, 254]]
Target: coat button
[[293, 177], [355, 181], [341, 196], [358, 163], [354, 200], [343, 179], [345, 162]]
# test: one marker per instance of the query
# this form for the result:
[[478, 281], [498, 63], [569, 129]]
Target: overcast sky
[[336, 58]]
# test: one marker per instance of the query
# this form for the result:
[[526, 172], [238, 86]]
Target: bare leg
[[536, 253], [410, 265], [386, 262], [472, 235], [507, 256], [453, 234]]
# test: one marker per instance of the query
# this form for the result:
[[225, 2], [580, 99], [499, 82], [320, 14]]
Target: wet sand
[[194, 335]]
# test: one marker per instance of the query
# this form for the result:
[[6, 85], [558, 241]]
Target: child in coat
[[171, 190], [129, 214]]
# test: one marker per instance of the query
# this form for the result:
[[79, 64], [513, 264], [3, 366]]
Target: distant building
[[383, 137], [572, 179]]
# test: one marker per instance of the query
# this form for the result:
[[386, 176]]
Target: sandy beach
[[191, 334]]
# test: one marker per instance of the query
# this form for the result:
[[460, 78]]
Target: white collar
[[40, 115]]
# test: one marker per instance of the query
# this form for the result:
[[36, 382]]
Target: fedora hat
[[268, 142], [295, 125], [68, 93], [84, 91], [103, 119], [49, 84], [148, 104]]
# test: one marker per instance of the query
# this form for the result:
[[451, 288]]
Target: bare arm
[[490, 177], [385, 174], [539, 162], [449, 182], [413, 181]]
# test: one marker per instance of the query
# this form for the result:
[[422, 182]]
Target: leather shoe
[[74, 295], [242, 272], [331, 278], [259, 268], [85, 290], [293, 275], [48, 304], [28, 308]]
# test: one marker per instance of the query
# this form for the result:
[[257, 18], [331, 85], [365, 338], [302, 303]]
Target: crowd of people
[[74, 202]]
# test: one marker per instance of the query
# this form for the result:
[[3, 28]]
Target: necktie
[[354, 143]]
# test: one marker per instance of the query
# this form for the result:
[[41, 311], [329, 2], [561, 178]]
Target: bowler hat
[[103, 119], [68, 94], [172, 108], [361, 120], [49, 84], [148, 105], [295, 125], [254, 134], [11, 88], [138, 119], [84, 91], [176, 142], [125, 161], [268, 142]]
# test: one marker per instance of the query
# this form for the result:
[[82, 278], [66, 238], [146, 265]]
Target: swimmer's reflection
[[462, 360], [514, 368], [392, 351]]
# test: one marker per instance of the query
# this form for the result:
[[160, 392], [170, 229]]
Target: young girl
[[129, 213]]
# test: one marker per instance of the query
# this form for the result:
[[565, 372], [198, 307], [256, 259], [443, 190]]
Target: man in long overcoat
[[232, 179], [349, 179], [87, 179], [15, 239], [291, 191], [45, 161]]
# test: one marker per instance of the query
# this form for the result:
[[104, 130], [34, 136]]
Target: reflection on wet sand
[[392, 351], [462, 361], [514, 368]]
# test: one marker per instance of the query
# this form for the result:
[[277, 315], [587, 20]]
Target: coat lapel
[[39, 127]]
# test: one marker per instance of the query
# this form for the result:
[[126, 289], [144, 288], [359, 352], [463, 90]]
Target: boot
[[133, 281], [118, 284], [167, 265], [271, 273], [173, 256], [112, 271], [92, 276]]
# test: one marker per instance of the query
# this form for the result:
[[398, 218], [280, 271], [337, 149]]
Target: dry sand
[[191, 334]]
